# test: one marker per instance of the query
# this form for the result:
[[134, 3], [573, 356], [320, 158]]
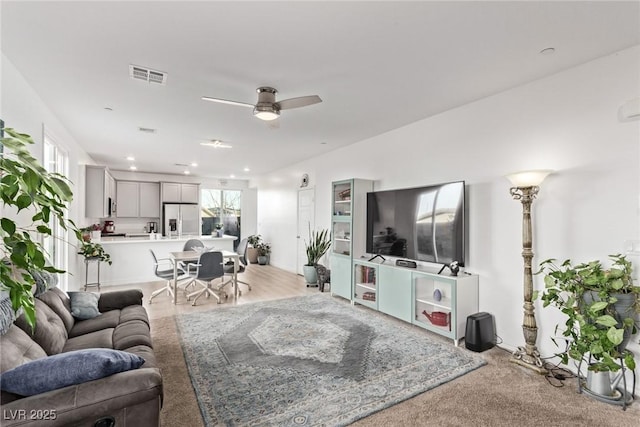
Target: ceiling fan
[[267, 108]]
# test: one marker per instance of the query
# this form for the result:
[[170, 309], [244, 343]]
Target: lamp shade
[[528, 178]]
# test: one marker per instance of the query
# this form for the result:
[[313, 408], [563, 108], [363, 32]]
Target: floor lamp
[[525, 188]]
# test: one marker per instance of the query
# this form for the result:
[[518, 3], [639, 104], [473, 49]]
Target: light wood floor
[[267, 283]]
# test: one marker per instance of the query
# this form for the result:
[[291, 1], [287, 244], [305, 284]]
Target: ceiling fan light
[[266, 112]]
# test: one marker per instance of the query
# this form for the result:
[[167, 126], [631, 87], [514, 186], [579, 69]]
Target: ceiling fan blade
[[302, 101], [226, 101]]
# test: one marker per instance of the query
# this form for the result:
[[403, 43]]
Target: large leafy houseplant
[[27, 186], [600, 305], [252, 251], [254, 240], [318, 245]]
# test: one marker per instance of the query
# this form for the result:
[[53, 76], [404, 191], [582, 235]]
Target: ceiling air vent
[[148, 75], [147, 130]]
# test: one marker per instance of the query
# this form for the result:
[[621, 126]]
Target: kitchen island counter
[[226, 241], [132, 261]]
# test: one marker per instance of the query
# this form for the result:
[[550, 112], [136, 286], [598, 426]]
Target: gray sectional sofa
[[129, 398]]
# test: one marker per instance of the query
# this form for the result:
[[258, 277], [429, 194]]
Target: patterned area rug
[[311, 360]]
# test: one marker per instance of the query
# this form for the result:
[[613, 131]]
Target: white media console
[[437, 302]]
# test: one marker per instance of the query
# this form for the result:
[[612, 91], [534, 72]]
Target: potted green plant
[[252, 250], [600, 305], [264, 250], [92, 250], [26, 185], [318, 245], [219, 230]]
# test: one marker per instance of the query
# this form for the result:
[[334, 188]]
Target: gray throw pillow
[[44, 281], [7, 315], [65, 369], [84, 305]]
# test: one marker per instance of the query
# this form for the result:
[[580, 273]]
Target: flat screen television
[[423, 224]]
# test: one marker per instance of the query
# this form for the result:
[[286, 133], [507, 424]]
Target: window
[[221, 207], [56, 160]]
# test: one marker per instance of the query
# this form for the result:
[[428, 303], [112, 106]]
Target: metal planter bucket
[[599, 383]]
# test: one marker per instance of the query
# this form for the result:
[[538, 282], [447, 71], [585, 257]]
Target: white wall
[[566, 122], [23, 110]]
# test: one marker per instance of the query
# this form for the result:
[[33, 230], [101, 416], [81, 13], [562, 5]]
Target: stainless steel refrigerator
[[180, 219]]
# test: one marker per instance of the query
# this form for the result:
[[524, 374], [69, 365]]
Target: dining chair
[[191, 245], [165, 274], [242, 264], [208, 268]]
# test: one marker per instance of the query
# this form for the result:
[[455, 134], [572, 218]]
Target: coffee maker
[[109, 227]]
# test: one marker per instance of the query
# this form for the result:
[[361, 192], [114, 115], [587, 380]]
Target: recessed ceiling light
[[187, 172], [548, 51], [215, 144], [194, 164], [133, 168], [247, 169], [232, 176], [131, 158]]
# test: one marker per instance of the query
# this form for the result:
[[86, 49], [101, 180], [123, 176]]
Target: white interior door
[[306, 219]]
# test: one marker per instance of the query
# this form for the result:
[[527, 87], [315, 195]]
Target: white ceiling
[[376, 65]]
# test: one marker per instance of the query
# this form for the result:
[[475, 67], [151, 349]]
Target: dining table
[[184, 256]]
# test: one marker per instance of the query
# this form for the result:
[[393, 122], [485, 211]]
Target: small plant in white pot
[[264, 250], [318, 245]]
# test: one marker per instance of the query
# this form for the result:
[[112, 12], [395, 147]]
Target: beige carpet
[[498, 394]]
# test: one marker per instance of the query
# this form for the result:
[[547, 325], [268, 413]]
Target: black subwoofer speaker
[[481, 332]]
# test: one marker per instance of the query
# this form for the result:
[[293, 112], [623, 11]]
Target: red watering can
[[439, 318]]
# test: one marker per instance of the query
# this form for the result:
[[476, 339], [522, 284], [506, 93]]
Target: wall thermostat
[[304, 181]]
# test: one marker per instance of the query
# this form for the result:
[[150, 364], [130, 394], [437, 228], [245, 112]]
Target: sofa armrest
[[85, 403], [117, 300]]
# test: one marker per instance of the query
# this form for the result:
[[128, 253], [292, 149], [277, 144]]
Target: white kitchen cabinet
[[149, 200], [171, 192], [100, 192], [190, 193], [138, 199], [128, 199], [174, 192]]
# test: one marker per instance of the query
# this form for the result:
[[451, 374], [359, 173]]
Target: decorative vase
[[262, 259], [95, 236], [220, 232], [310, 275], [252, 255], [437, 295]]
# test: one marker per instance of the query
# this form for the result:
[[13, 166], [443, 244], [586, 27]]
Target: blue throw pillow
[[84, 305], [65, 369]]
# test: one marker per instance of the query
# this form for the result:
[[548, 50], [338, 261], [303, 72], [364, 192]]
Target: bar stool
[[87, 261]]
